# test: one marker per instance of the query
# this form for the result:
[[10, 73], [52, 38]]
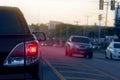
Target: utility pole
[[106, 18], [87, 19], [67, 31], [116, 17], [99, 28], [77, 22], [117, 23]]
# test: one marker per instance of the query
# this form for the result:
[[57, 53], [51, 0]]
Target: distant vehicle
[[19, 50], [96, 46], [39, 36], [79, 45], [113, 50]]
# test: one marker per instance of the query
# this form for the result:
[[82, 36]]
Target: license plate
[[82, 52]]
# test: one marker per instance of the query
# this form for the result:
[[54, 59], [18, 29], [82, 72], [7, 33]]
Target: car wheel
[[106, 56], [90, 55], [70, 54], [85, 56], [66, 52], [111, 56], [35, 71]]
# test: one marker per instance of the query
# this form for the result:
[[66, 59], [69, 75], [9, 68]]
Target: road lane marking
[[78, 68], [93, 68], [54, 70], [107, 63], [79, 72], [78, 78], [74, 67]]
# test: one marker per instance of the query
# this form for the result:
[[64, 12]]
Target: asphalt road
[[56, 66], [79, 68]]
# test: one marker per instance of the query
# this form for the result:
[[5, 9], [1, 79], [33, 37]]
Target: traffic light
[[101, 4], [112, 4]]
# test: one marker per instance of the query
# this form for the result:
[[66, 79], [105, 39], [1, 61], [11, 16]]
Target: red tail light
[[16, 56], [31, 48]]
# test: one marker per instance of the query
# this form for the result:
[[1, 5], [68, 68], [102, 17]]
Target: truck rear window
[[9, 23]]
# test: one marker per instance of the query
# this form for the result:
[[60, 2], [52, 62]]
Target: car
[[39, 36], [79, 45], [113, 50], [19, 48], [96, 45]]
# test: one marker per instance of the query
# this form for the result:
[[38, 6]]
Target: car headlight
[[76, 46], [90, 46]]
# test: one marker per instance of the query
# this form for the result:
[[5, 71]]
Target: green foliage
[[39, 28], [64, 30]]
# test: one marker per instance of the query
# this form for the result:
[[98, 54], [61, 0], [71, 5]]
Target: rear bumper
[[81, 51], [19, 69]]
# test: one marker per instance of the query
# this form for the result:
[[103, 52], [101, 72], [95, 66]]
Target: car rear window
[[116, 45], [9, 23], [81, 40]]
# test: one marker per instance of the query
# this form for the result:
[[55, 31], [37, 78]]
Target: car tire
[[70, 54], [90, 55], [85, 56], [34, 71], [111, 56], [66, 52], [106, 56]]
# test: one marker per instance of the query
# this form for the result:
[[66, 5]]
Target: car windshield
[[9, 23], [116, 45], [81, 40]]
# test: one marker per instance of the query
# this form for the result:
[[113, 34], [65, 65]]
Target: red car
[[79, 45]]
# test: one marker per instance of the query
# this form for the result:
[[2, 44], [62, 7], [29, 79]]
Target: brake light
[[31, 48], [17, 54]]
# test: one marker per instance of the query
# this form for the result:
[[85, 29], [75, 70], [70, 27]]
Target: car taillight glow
[[31, 49], [17, 56]]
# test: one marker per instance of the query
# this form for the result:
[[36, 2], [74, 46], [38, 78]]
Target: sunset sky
[[67, 11]]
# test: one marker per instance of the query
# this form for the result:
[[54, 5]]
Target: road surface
[[56, 66], [79, 68]]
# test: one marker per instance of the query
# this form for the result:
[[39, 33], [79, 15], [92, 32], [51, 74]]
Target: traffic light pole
[[101, 7], [106, 18], [116, 17], [117, 29], [99, 29]]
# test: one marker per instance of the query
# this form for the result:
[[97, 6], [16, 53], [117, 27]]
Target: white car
[[113, 51]]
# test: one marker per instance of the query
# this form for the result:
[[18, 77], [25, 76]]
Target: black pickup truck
[[19, 49]]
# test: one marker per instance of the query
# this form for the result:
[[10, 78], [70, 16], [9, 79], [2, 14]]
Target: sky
[[66, 11]]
